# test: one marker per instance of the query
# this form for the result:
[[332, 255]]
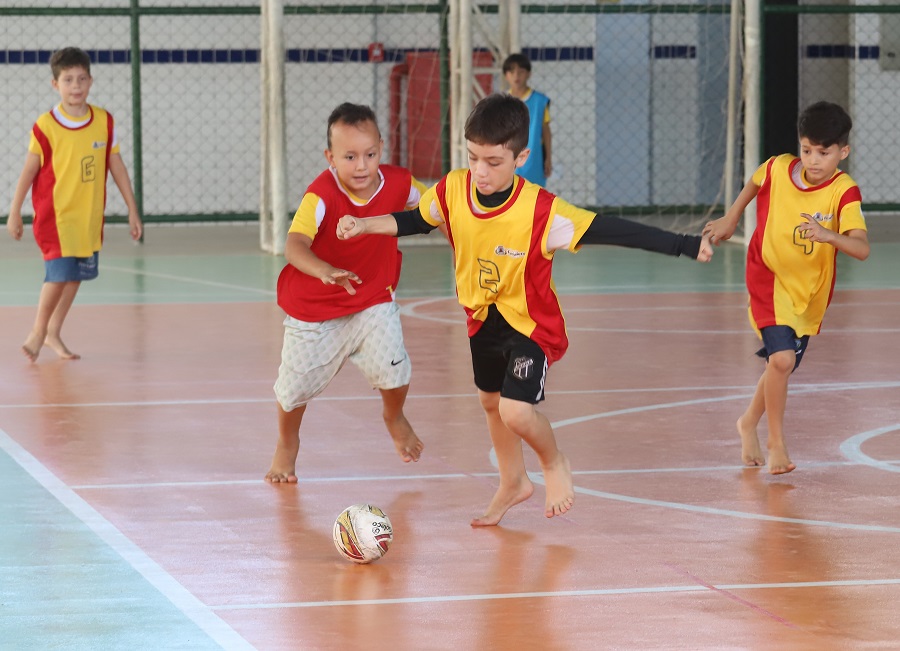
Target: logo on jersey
[[523, 367], [98, 145], [819, 217], [512, 253]]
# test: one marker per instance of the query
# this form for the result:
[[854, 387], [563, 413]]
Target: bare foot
[[751, 453], [504, 499], [32, 346], [560, 491], [61, 349], [779, 462], [283, 469], [408, 445]]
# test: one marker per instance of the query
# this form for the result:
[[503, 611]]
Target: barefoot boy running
[[504, 232], [807, 211], [332, 315], [72, 149]]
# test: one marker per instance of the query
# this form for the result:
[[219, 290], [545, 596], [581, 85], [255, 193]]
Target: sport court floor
[[134, 514]]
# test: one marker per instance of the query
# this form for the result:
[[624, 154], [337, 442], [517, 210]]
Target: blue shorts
[[778, 338], [68, 270]]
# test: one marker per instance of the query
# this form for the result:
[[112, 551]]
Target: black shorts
[[778, 338], [506, 361]]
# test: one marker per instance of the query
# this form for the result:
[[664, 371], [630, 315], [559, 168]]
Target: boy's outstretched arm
[[299, 255], [398, 224], [624, 232], [29, 171], [123, 182], [350, 226], [724, 227]]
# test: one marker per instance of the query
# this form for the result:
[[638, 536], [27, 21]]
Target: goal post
[[752, 101], [273, 215]]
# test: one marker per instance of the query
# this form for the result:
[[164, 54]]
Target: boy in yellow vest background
[[73, 148]]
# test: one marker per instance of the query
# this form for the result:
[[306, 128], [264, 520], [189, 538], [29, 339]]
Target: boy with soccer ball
[[332, 315]]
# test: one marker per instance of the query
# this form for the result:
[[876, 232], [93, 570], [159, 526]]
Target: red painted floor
[[167, 425]]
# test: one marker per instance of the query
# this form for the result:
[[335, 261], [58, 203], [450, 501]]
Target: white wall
[[630, 129]]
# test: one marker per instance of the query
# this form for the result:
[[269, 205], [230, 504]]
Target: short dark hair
[[499, 119], [69, 57], [516, 61], [825, 123], [353, 115]]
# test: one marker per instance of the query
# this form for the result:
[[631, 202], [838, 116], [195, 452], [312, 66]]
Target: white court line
[[852, 448], [796, 388], [450, 475], [675, 288], [145, 403], [564, 593], [356, 398], [681, 308], [799, 389], [189, 280], [672, 331], [860, 458], [660, 308], [171, 589], [707, 510], [410, 309], [300, 480], [655, 331], [704, 469]]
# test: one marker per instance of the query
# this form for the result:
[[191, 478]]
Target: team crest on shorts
[[522, 367]]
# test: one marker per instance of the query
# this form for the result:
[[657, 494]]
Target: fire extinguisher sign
[[376, 52]]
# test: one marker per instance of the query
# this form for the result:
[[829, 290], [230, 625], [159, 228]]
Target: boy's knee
[[516, 415], [783, 361], [490, 401]]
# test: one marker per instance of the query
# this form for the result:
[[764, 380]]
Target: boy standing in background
[[517, 72], [72, 150]]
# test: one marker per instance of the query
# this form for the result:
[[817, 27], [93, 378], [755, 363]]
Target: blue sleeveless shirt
[[533, 169]]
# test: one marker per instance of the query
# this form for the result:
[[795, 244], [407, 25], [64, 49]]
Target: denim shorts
[[67, 270]]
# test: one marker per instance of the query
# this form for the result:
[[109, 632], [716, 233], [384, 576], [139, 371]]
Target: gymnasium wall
[[638, 98]]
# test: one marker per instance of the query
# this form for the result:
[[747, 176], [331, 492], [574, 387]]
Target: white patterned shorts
[[314, 352]]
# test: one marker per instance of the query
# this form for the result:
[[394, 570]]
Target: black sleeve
[[622, 232], [411, 222]]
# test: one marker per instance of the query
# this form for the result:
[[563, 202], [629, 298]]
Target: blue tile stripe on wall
[[293, 55], [673, 52], [361, 55]]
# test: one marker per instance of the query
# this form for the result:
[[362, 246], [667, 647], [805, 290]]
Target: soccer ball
[[362, 533]]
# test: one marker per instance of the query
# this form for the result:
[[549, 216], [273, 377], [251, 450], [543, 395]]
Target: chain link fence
[[638, 92]]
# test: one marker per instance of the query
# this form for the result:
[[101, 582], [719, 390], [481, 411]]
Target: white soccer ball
[[362, 533]]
